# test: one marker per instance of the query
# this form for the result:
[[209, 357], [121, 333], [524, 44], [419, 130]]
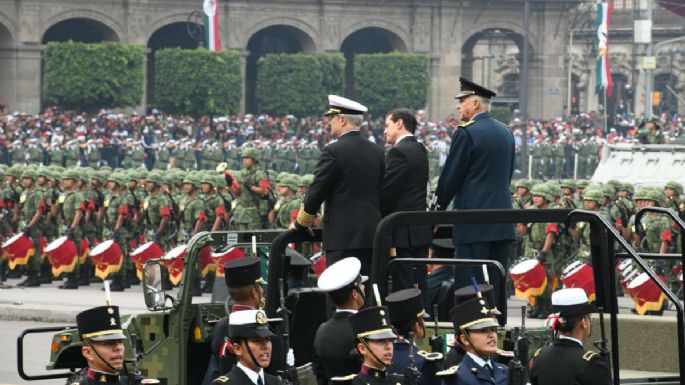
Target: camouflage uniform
[[116, 204], [191, 209], [71, 202], [31, 201], [249, 208], [156, 207], [285, 208]]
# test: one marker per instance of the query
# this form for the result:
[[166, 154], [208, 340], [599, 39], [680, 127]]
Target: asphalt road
[[36, 353]]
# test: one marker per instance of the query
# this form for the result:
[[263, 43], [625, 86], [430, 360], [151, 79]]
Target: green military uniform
[[583, 228], [157, 206], [57, 156], [17, 154], [118, 203], [192, 209], [71, 155], [285, 207], [12, 193], [94, 200], [162, 161], [71, 202], [559, 156], [249, 208], [534, 242], [31, 201], [34, 153]]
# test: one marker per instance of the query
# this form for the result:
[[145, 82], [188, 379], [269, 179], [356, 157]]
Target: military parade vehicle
[[171, 341], [642, 164]]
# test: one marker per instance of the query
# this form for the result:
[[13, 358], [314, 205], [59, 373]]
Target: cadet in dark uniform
[[404, 189], [566, 361], [333, 354], [250, 342], [476, 175], [374, 341], [103, 348], [475, 330], [406, 317], [348, 181]]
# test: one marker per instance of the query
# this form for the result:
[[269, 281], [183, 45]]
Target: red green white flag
[[211, 15], [603, 68]]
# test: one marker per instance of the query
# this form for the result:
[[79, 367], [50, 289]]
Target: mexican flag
[[211, 15], [603, 68]]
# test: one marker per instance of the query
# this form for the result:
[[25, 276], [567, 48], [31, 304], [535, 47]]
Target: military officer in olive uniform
[[32, 210], [651, 134], [12, 191], [539, 240], [254, 186], [72, 208], [118, 219], [566, 362], [655, 236]]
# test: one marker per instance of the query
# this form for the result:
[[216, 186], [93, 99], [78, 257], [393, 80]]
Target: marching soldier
[[32, 209], [657, 236], [539, 241], [288, 204], [568, 188], [250, 342], [157, 212], [374, 339], [254, 186], [566, 361], [13, 190], [334, 341], [674, 192], [592, 201], [192, 209], [119, 214], [214, 206], [71, 211], [522, 197], [92, 220]]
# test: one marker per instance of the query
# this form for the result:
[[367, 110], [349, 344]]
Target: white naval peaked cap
[[570, 296], [339, 105], [341, 274]]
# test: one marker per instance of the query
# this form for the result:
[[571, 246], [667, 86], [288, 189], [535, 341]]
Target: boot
[[4, 270], [534, 310], [16, 273], [166, 284], [125, 281], [71, 282], [34, 281], [117, 284], [133, 278], [84, 275], [45, 274]]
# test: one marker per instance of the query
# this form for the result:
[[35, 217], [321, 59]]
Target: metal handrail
[[596, 220]]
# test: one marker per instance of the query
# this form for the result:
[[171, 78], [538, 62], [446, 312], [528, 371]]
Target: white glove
[[290, 358]]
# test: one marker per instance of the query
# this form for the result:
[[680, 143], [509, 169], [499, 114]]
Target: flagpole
[[606, 128]]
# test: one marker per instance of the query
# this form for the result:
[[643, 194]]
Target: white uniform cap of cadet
[[338, 104], [570, 296], [341, 274]]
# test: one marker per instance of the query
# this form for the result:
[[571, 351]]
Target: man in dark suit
[[404, 189], [334, 341], [348, 180], [476, 175], [249, 333]]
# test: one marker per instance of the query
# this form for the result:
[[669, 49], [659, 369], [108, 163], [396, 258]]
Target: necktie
[[259, 380], [488, 370]]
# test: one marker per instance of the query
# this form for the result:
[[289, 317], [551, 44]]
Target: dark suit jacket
[[470, 373], [567, 362], [237, 377], [348, 180], [333, 345], [405, 189], [477, 174]]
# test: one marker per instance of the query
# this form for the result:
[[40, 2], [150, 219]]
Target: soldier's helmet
[[155, 178], [614, 183], [675, 186], [627, 186], [29, 172], [289, 182], [568, 183], [43, 171], [594, 194], [99, 176], [71, 174], [14, 171], [658, 197], [608, 192], [207, 178], [555, 188], [192, 180], [142, 173], [525, 183], [251, 153], [280, 176], [116, 178], [582, 183], [542, 190]]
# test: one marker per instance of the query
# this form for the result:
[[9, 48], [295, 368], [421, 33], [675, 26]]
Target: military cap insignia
[[110, 310], [223, 379], [588, 356], [261, 318], [112, 322], [381, 312]]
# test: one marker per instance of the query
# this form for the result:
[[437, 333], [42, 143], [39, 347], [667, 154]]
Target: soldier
[[334, 339], [254, 186], [592, 201], [568, 188], [522, 197], [136, 198], [288, 204], [539, 242], [103, 349], [566, 362], [674, 192], [33, 207], [406, 317], [475, 330], [581, 185], [118, 218], [12, 194], [250, 342], [34, 154], [94, 200], [193, 216], [72, 208], [656, 236], [214, 206], [156, 212], [374, 342], [71, 154], [652, 133], [17, 154]]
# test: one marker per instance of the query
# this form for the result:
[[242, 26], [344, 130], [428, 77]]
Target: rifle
[[284, 313], [601, 345], [517, 371], [411, 374], [436, 342]]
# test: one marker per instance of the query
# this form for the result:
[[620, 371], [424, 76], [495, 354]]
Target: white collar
[[479, 361], [561, 336], [251, 374], [351, 311], [402, 137]]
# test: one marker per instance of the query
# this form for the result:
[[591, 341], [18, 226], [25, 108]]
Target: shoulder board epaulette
[[430, 356], [588, 356], [149, 381], [505, 353], [537, 352], [466, 124], [223, 379], [448, 372], [348, 377]]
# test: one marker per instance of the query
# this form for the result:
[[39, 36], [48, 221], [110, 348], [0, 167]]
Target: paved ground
[[37, 353]]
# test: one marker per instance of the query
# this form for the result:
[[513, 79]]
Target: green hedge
[[384, 81], [501, 113], [92, 76], [297, 83], [197, 82]]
